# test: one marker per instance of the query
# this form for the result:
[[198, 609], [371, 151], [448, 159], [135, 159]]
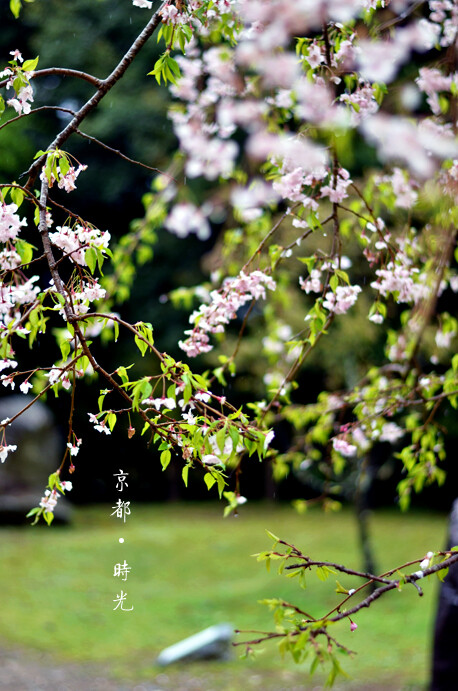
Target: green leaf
[[111, 420], [221, 438], [333, 282], [165, 458], [122, 373], [442, 574], [272, 536], [64, 347], [17, 196], [25, 250], [64, 165], [184, 474], [340, 589], [48, 516], [91, 259], [30, 65], [174, 66], [141, 345], [322, 572], [15, 7], [209, 480], [221, 484], [53, 479]]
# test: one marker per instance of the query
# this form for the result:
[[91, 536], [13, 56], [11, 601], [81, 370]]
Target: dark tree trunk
[[362, 504], [445, 653]]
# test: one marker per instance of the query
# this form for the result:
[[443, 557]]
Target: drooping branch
[[119, 153], [37, 110], [388, 585]]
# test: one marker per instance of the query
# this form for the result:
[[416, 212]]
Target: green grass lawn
[[191, 569]]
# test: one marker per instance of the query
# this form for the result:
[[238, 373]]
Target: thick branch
[[66, 72], [43, 230]]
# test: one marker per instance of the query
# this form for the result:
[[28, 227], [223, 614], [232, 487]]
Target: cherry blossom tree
[[267, 100]]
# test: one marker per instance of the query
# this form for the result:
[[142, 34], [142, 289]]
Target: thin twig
[[105, 86], [36, 110], [120, 154]]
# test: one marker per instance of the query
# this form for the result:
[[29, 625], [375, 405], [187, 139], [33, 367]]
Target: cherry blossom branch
[[64, 208], [68, 72], [239, 341], [120, 154], [70, 416], [402, 16], [37, 110], [411, 578], [64, 72], [105, 86], [38, 396], [387, 585], [25, 265], [338, 567], [264, 241], [126, 325], [391, 250], [106, 375], [297, 364], [43, 230]]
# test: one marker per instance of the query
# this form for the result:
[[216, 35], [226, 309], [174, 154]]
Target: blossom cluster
[[65, 180], [49, 501], [10, 222], [18, 79], [75, 241], [223, 307], [342, 299], [186, 218], [12, 297], [402, 280]]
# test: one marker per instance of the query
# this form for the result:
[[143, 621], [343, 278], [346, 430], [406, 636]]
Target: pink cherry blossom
[[313, 284], [67, 182], [24, 98], [391, 432], [432, 81], [185, 218], [337, 189], [223, 307], [343, 298], [398, 138], [17, 55], [5, 450], [344, 447], [74, 241], [10, 223], [159, 403]]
